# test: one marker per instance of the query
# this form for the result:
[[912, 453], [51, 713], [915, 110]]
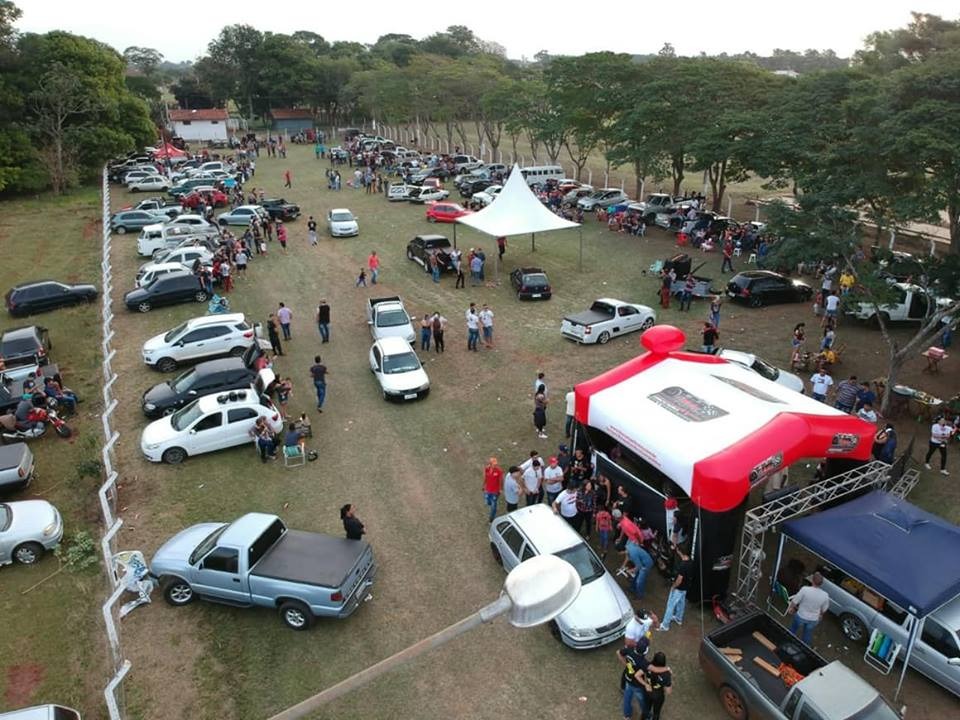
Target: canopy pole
[[455, 236], [915, 631], [533, 242], [580, 231], [776, 565]]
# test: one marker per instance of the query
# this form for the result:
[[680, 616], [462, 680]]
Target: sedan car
[[398, 370], [446, 212], [207, 378], [44, 295], [27, 529], [484, 198], [149, 183], [764, 287], [425, 193], [132, 220], [531, 283], [342, 223], [166, 290], [399, 192], [602, 198], [242, 215], [762, 368]]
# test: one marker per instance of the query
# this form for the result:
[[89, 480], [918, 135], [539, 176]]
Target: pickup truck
[[387, 317], [606, 319], [16, 467], [909, 305], [257, 561], [654, 204], [804, 686], [423, 246]]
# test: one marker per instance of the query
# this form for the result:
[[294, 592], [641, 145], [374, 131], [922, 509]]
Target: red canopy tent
[[168, 151]]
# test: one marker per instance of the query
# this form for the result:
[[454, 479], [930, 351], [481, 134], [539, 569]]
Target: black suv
[[468, 188], [531, 283], [207, 378], [25, 346], [166, 290], [423, 246], [43, 295], [280, 209], [764, 287]]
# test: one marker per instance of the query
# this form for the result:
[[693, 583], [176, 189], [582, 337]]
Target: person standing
[[686, 296], [241, 261], [284, 315], [282, 236], [727, 263], [476, 266], [807, 608], [501, 247], [287, 179], [846, 396], [373, 263], [439, 325], [533, 483], [492, 485], [658, 683], [586, 506], [456, 257], [638, 629], [486, 322], [473, 328], [715, 312], [318, 373], [323, 320], [426, 330], [634, 661], [571, 400], [710, 335], [552, 479], [511, 488], [677, 599], [274, 335], [566, 506], [540, 411], [351, 523], [831, 304], [820, 383], [939, 437]]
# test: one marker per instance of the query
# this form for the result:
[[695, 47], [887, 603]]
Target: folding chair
[[294, 456]]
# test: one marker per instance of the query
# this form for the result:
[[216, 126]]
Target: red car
[[192, 200], [446, 212]]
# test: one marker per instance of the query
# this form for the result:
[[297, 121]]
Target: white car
[[27, 529], [201, 338], [194, 221], [425, 194], [152, 271], [485, 197], [209, 423], [342, 223], [606, 319], [398, 370], [159, 238], [400, 191], [762, 368], [183, 255], [149, 183]]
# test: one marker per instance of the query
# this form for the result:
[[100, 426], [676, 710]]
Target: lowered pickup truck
[[387, 317], [607, 318], [257, 561], [804, 686]]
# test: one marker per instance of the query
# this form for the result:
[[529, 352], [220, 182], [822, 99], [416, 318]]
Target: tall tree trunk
[[676, 171], [717, 175], [638, 176]]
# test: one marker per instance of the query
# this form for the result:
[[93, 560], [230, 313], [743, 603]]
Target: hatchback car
[[446, 212], [167, 290], [600, 613], [207, 378], [201, 338], [531, 283], [42, 295], [764, 287], [602, 198], [242, 215], [398, 370], [425, 193], [209, 423], [131, 220], [28, 528], [150, 183], [24, 348], [342, 223]]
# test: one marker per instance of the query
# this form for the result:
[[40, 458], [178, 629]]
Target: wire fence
[[113, 692]]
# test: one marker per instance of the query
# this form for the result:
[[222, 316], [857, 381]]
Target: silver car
[[27, 529], [602, 198]]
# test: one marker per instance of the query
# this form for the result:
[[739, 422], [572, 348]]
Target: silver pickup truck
[[387, 317], [257, 561]]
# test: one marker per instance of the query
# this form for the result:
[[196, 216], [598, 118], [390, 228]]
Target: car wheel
[[733, 703], [647, 324], [134, 189], [201, 296], [166, 365], [121, 230], [295, 615], [756, 301], [29, 553], [430, 218], [604, 338], [144, 307], [174, 456], [237, 352], [497, 558], [177, 592], [853, 628]]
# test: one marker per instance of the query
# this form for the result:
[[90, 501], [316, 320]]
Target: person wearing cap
[[492, 485], [552, 479]]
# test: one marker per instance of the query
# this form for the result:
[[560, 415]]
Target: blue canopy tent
[[905, 554]]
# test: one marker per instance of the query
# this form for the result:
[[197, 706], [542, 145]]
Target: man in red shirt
[[492, 485], [373, 264]]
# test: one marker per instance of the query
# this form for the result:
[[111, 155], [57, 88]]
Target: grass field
[[413, 471]]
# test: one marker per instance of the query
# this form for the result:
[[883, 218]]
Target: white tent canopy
[[516, 211]]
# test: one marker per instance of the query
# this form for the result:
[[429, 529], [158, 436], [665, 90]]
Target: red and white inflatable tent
[[713, 427]]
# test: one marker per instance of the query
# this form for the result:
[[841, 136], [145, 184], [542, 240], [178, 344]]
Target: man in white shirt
[[808, 607], [831, 304], [566, 506], [821, 383], [939, 437], [473, 328], [867, 413], [486, 320], [532, 483], [552, 479]]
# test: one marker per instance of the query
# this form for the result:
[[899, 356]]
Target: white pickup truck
[[607, 318], [387, 317], [910, 305]]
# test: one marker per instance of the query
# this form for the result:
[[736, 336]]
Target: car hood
[[136, 295], [175, 552], [157, 431], [343, 225], [154, 343], [401, 331], [30, 517], [599, 603], [159, 394], [399, 382]]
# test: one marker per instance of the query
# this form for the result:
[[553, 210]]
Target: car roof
[[215, 319], [222, 365], [167, 266], [33, 283], [759, 273], [346, 210], [530, 270], [393, 346], [242, 398], [548, 532], [432, 238]]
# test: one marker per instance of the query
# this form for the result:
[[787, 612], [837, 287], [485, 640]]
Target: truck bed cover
[[588, 317], [310, 558]]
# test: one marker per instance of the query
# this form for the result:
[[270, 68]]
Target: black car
[[166, 290], [467, 189], [42, 295], [763, 287], [280, 209], [423, 246], [436, 172], [531, 283], [209, 377], [25, 346]]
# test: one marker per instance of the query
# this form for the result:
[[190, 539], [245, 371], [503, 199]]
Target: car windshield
[[184, 418], [392, 318], [176, 331], [741, 281], [537, 280], [341, 216], [405, 362], [588, 567], [208, 543], [184, 382], [765, 369]]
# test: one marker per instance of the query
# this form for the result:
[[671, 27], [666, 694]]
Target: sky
[[182, 30]]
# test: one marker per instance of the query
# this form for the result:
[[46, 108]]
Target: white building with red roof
[[202, 124]]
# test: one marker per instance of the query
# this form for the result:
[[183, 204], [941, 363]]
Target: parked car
[[242, 215], [42, 295], [186, 255], [419, 177], [28, 528], [167, 290], [654, 204], [207, 378], [400, 192], [711, 222], [150, 183], [485, 197], [467, 189], [824, 691], [160, 206], [16, 467], [573, 196], [42, 712], [601, 611], [606, 319], [138, 173], [256, 561], [209, 196], [280, 209], [153, 271], [910, 304], [209, 423], [201, 338], [342, 223], [398, 370], [387, 317], [764, 287], [130, 220], [426, 193], [601, 199], [762, 368], [423, 246], [446, 212], [465, 162], [154, 240], [185, 186], [24, 349], [531, 283], [197, 222]]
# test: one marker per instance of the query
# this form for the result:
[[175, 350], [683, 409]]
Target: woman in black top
[[351, 525], [658, 682]]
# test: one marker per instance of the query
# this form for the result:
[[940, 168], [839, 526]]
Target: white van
[[163, 237], [539, 174]]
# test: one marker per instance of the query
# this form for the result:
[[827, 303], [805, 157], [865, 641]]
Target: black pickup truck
[[423, 246], [280, 209]]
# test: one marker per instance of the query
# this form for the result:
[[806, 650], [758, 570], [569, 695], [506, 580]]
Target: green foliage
[[79, 553]]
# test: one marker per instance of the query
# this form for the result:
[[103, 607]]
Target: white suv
[[209, 423], [200, 339]]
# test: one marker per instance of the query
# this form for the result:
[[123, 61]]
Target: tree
[[925, 36], [191, 91], [234, 59], [144, 59], [667, 51]]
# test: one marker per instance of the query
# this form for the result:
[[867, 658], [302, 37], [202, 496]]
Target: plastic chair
[[737, 252], [294, 456], [752, 260]]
